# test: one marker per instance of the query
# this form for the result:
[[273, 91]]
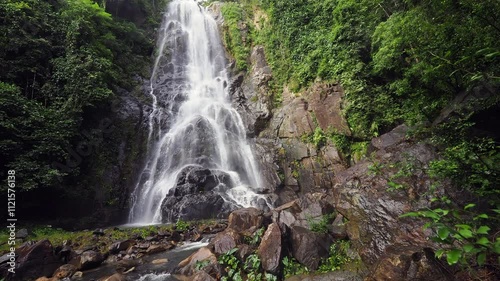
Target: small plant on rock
[[321, 226], [338, 256], [181, 225], [292, 267], [231, 264]]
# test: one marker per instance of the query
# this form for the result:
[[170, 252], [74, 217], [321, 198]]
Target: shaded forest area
[[64, 63]]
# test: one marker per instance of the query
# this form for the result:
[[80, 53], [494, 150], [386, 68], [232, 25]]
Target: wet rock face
[[194, 196], [195, 179], [391, 246], [205, 205], [251, 95], [406, 264]]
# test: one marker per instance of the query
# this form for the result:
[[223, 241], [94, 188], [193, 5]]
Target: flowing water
[[192, 121]]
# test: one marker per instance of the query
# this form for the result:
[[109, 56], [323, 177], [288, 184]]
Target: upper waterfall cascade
[[192, 122]]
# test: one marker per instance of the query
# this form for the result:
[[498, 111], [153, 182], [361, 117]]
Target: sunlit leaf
[[453, 256]]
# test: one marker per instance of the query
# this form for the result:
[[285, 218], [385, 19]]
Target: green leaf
[[439, 253], [468, 206], [463, 226], [481, 258], [483, 229], [466, 233], [443, 233], [481, 216], [453, 256], [410, 214], [496, 246], [483, 241], [468, 248]]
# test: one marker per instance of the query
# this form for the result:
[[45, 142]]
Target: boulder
[[225, 241], [195, 179], [338, 229], [207, 205], [309, 247], [194, 196], [22, 233], [35, 260], [159, 261], [246, 220], [153, 249], [120, 246], [64, 271], [270, 249], [397, 135], [88, 260], [188, 265]]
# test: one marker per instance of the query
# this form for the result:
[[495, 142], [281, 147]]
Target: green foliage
[[181, 225], [236, 38], [337, 258], [404, 170], [471, 165], [232, 265], [292, 267], [254, 239], [201, 264], [63, 59], [318, 138], [398, 62], [467, 233], [252, 266], [341, 142], [321, 225]]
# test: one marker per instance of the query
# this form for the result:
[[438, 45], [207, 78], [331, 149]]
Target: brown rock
[[202, 276], [309, 247], [269, 250], [395, 136], [66, 270], [46, 279], [35, 260], [338, 229], [225, 241], [246, 220], [187, 266], [244, 251], [159, 261], [325, 101], [404, 264], [87, 260], [153, 249], [120, 246]]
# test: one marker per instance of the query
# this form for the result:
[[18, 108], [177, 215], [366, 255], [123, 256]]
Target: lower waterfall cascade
[[192, 125]]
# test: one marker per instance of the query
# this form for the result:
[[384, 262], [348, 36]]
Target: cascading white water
[[192, 122]]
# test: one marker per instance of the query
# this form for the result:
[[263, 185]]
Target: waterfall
[[192, 122]]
